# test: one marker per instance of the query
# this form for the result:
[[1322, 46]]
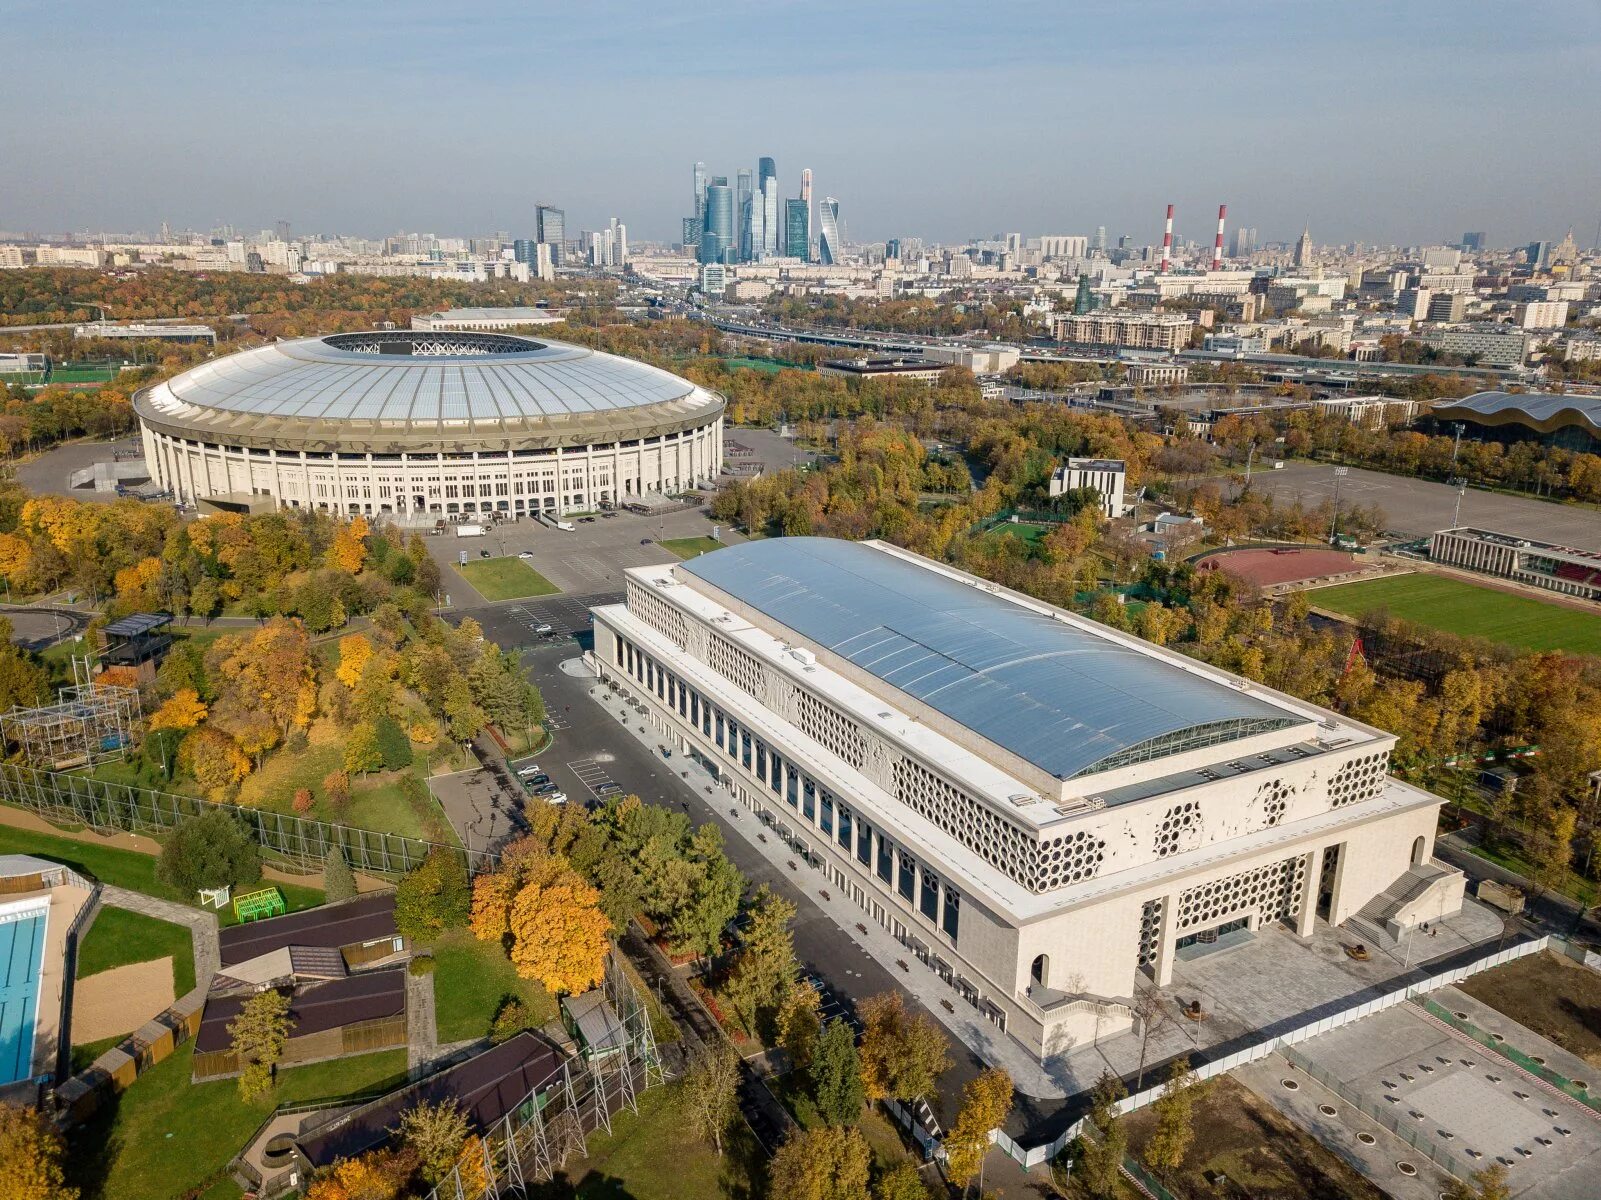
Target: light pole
[[1461, 489]]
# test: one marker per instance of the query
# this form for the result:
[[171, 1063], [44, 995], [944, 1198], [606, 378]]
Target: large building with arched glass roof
[[1037, 806], [428, 424]]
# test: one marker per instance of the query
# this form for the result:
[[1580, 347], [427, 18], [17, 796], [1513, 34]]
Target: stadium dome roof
[[399, 389], [1544, 411]]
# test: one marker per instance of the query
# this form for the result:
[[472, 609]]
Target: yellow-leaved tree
[[354, 652], [183, 710], [559, 934], [349, 549]]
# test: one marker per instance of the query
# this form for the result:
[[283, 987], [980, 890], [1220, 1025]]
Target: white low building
[[1037, 806], [1106, 475]]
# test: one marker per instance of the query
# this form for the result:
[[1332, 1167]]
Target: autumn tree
[[1099, 1151], [362, 752], [986, 1102], [559, 935], [376, 1175], [257, 1037], [264, 677], [349, 550], [215, 760], [902, 1054], [31, 1154], [711, 1091], [1175, 1118], [355, 651], [829, 1163], [435, 1133], [183, 710], [900, 1182], [433, 897], [835, 1073]]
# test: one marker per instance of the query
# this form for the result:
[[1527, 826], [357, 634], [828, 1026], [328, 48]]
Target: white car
[[556, 798], [543, 628], [525, 554], [530, 769]]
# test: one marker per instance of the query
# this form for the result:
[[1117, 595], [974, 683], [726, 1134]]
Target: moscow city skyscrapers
[[751, 221], [829, 249]]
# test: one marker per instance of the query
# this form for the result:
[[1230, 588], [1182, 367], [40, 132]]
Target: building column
[[1308, 915], [1163, 966]]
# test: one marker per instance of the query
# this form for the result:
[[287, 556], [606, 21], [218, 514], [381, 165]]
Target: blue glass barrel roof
[[1061, 697]]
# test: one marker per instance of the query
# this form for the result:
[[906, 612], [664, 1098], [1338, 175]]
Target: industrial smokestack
[[1167, 242], [1217, 246]]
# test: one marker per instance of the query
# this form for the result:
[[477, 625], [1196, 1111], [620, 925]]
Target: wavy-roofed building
[[1571, 422], [429, 423], [1037, 806]]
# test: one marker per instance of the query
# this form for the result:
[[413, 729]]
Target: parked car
[[644, 541], [485, 554], [556, 798], [544, 627], [525, 554], [528, 770], [545, 789], [608, 789]]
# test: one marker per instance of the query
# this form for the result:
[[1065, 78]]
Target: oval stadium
[[424, 426]]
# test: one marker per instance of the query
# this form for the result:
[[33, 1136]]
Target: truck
[[470, 531], [568, 526]]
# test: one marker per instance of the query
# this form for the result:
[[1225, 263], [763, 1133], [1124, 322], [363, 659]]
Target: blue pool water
[[21, 948]]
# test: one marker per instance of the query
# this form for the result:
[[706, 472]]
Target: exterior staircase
[[1374, 923]]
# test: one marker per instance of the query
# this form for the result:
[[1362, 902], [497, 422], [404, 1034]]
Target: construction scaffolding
[[89, 723], [531, 1142]]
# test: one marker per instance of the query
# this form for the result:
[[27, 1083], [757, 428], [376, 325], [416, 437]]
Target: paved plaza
[[1475, 1105]]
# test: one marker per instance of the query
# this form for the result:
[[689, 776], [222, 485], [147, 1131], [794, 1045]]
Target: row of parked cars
[[537, 783]]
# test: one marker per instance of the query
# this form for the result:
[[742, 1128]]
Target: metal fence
[[120, 808], [1525, 1062]]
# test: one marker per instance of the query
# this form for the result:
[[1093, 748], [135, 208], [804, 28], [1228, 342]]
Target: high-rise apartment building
[[1303, 248], [829, 248], [797, 230], [1472, 242], [551, 229]]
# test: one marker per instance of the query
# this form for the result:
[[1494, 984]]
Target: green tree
[[338, 880], [713, 900], [798, 1024], [212, 850], [435, 1133], [434, 897], [1098, 1153], [362, 753], [836, 1075], [394, 748], [902, 1054], [986, 1102], [766, 967], [258, 1036], [711, 1091], [1175, 1118], [900, 1182]]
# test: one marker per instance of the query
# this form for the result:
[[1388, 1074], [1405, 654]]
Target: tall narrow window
[[953, 912]]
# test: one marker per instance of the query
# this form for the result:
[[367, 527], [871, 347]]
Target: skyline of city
[[1038, 119]]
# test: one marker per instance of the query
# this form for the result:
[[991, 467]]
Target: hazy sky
[[1401, 120]]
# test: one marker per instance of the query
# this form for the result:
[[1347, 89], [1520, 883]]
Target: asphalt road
[[848, 972]]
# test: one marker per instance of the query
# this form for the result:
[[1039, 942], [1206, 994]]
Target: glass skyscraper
[[767, 194], [828, 244], [746, 213], [551, 228], [797, 230], [717, 243]]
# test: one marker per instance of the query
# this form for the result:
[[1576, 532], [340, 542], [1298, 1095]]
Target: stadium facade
[[1038, 807], [424, 424]]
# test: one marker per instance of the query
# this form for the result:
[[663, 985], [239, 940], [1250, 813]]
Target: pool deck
[[65, 903]]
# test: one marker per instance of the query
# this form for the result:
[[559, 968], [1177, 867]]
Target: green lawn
[[167, 1137], [377, 801], [506, 579], [1027, 530], [119, 937], [691, 547], [1447, 603], [126, 868], [471, 980], [653, 1155]]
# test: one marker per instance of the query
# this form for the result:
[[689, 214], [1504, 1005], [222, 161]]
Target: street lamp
[[1334, 521]]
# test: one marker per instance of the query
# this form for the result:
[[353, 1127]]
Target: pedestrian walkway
[[202, 925], [422, 1038]]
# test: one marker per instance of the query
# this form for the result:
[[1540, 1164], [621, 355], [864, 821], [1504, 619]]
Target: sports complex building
[[425, 424], [1038, 807]]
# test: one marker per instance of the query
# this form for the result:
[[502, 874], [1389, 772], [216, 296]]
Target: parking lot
[[1415, 508], [593, 774], [587, 561]]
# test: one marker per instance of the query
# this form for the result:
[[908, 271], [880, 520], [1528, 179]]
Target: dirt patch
[[1268, 567], [1550, 994], [1262, 1153], [120, 1000]]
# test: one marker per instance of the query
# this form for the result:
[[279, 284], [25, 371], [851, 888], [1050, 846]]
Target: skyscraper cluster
[[750, 222]]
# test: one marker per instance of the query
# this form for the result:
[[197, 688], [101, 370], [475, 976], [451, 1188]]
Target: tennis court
[[21, 951]]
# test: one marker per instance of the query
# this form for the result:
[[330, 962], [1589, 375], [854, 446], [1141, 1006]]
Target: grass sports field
[[1448, 603], [506, 579], [691, 547], [1027, 530]]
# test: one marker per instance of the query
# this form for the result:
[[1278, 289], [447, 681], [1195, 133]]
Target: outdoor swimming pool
[[21, 949]]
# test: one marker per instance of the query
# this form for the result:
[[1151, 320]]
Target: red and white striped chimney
[[1167, 242], [1217, 246]]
